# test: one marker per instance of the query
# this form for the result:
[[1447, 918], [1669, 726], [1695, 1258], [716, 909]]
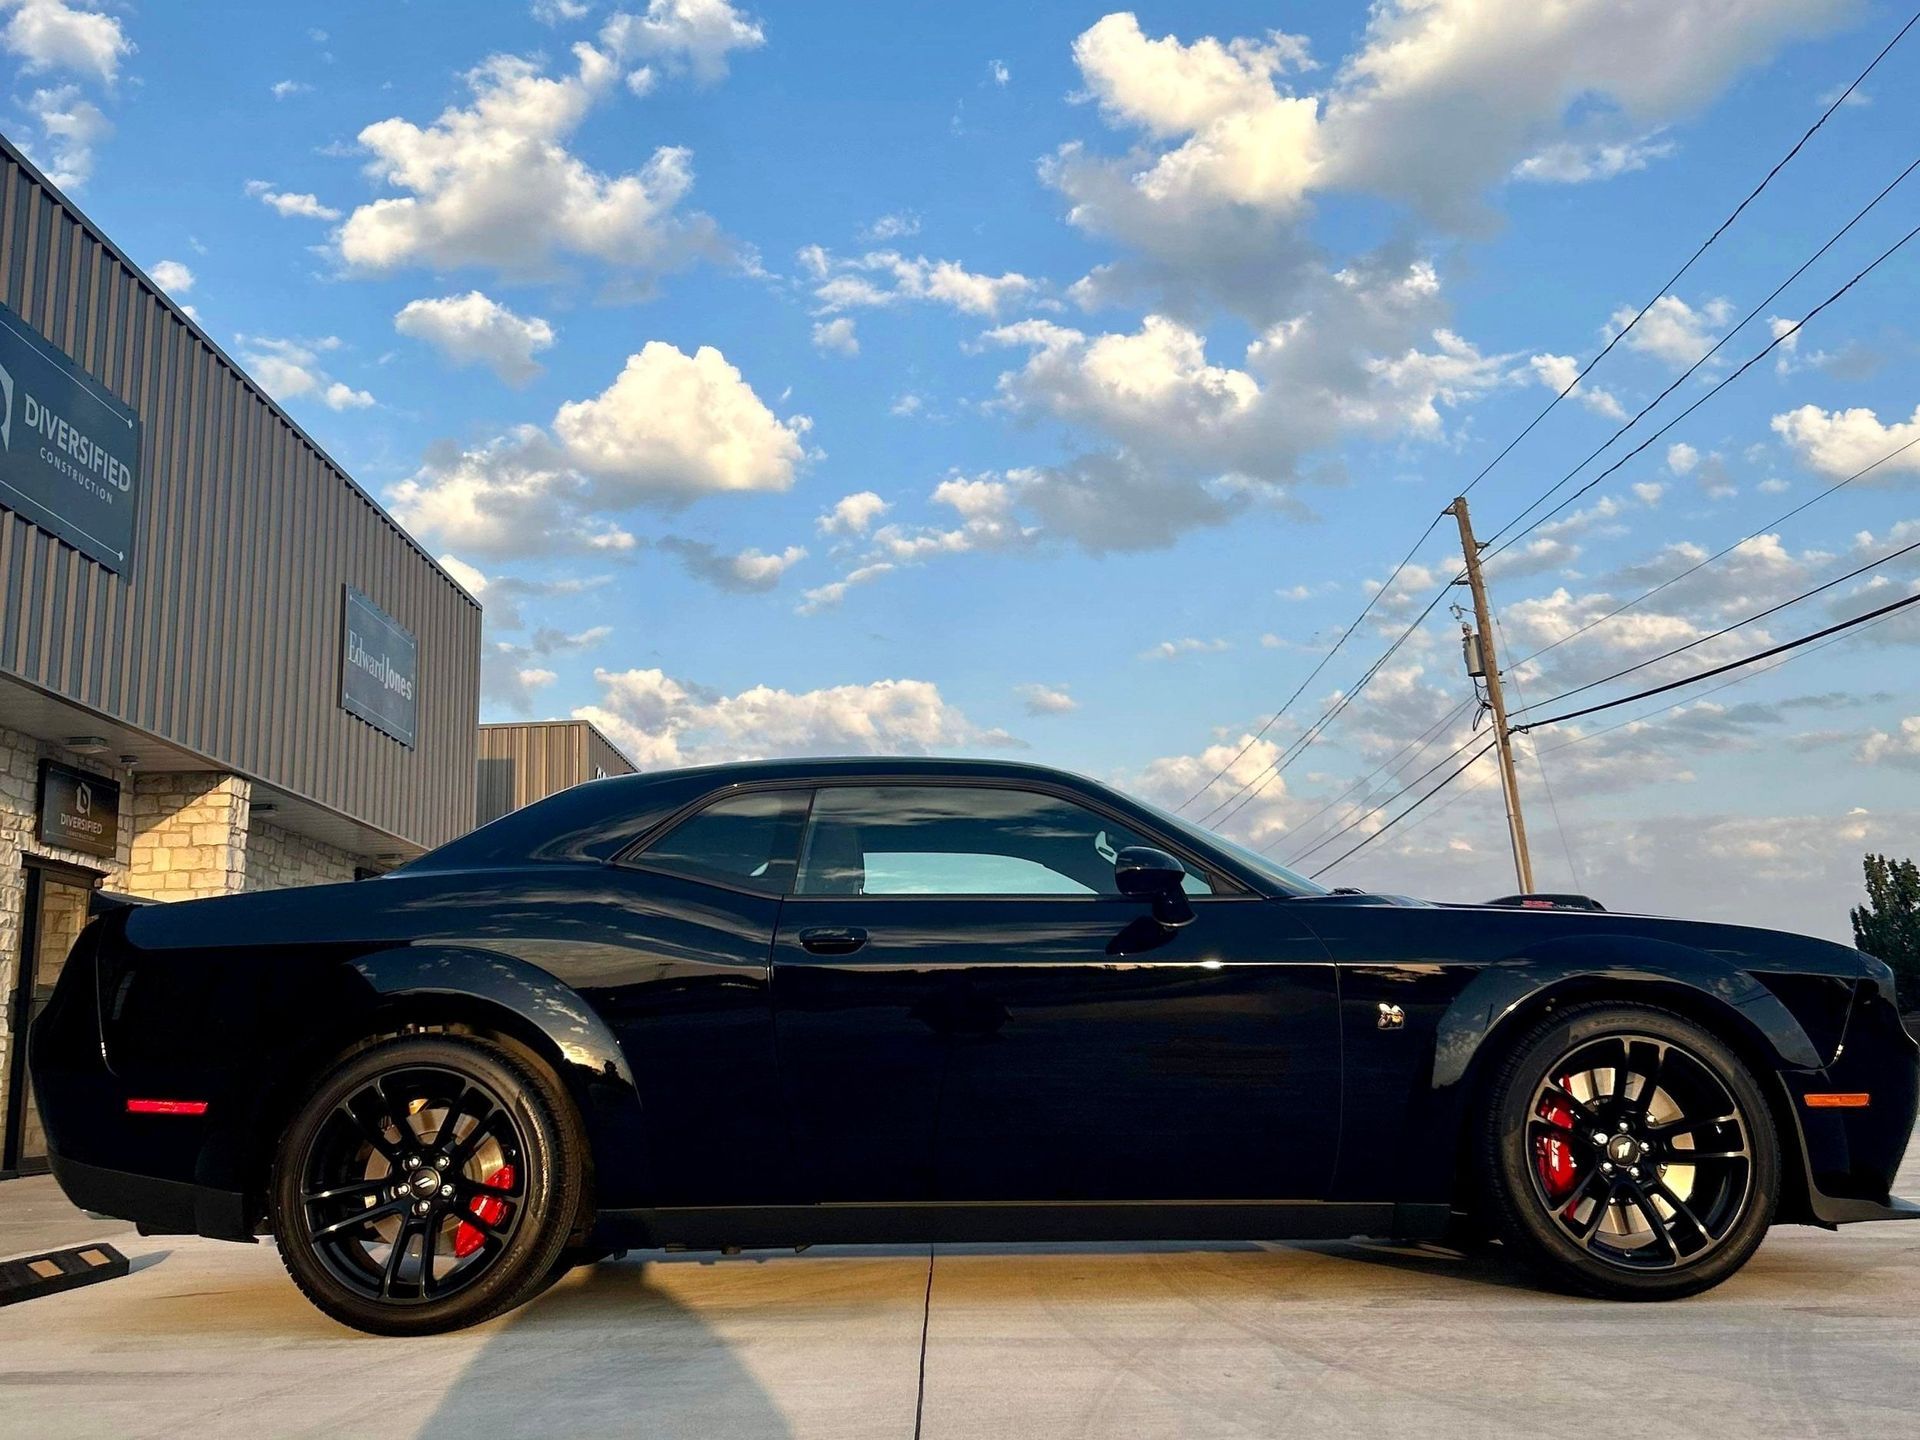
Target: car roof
[[812, 767]]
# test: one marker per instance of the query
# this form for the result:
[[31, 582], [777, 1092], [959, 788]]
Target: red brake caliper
[[468, 1238], [1558, 1173]]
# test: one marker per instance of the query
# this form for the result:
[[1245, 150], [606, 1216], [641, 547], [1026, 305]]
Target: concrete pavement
[[1819, 1336]]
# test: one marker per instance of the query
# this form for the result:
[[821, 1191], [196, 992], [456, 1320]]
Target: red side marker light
[[166, 1107], [1830, 1101]]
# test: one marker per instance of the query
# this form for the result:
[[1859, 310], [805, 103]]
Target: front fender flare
[[1507, 987]]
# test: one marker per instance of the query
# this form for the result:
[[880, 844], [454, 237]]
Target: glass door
[[58, 902]]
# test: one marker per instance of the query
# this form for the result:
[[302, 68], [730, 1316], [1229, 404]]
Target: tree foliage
[[1888, 925]]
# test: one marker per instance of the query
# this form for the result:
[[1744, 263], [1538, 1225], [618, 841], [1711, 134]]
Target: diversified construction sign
[[69, 451]]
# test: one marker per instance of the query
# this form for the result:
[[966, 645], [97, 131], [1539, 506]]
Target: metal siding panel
[[227, 642]]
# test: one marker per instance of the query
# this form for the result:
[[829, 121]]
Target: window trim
[[1227, 886], [633, 855]]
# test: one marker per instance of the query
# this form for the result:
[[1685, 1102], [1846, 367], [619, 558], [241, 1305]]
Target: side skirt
[[769, 1226]]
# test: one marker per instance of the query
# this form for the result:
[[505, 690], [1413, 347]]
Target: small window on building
[[747, 841]]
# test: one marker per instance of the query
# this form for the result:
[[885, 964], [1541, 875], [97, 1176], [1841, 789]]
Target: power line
[[1721, 554], [1417, 745], [1787, 659], [1546, 410], [1704, 246], [1718, 345], [1398, 794], [1729, 629], [1694, 679], [1274, 719], [1455, 775], [1272, 770], [1778, 340]]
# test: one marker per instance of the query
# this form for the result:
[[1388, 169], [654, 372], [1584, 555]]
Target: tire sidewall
[[552, 1165], [1531, 1228]]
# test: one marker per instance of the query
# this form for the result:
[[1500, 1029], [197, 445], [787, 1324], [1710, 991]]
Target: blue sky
[[1054, 380]]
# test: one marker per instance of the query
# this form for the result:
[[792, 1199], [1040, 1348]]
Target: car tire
[[429, 1183], [1627, 1152]]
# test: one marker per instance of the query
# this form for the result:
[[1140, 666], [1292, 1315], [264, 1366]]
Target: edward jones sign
[[379, 669], [69, 451]]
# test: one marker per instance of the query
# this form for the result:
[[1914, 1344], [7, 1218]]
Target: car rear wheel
[[429, 1183], [1629, 1153]]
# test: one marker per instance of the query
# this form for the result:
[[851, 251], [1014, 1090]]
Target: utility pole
[[1496, 698]]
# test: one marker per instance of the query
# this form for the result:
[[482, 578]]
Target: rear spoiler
[[1548, 902]]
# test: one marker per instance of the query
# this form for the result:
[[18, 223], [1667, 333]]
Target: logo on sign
[[83, 798]]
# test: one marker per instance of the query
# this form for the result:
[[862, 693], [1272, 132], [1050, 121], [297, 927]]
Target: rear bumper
[[156, 1206]]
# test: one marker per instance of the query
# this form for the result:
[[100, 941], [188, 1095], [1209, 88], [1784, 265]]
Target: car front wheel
[[1629, 1153], [429, 1183]]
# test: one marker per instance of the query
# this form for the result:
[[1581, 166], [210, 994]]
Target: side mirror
[[1144, 873]]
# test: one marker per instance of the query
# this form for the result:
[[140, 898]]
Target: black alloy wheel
[[1630, 1153], [429, 1183]]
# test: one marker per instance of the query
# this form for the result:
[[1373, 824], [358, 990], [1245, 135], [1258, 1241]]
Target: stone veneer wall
[[278, 858], [20, 757], [190, 835]]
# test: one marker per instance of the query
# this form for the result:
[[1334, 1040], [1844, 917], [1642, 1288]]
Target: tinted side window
[[959, 840], [745, 840]]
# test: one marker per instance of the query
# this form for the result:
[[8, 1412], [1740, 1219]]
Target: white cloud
[[1439, 104], [1557, 372], [1046, 699], [283, 89], [662, 721], [493, 183], [852, 514], [474, 329], [674, 426], [1902, 749], [1674, 331], [514, 496], [55, 35], [886, 277], [290, 204], [473, 579], [670, 428], [836, 337], [511, 673], [1648, 492], [1836, 443], [1682, 457], [1574, 162], [998, 72], [891, 227], [907, 405], [1189, 645], [696, 35], [172, 276], [290, 370], [749, 570], [559, 12], [73, 126], [826, 597]]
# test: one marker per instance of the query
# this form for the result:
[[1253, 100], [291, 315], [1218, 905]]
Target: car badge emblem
[[1392, 1017]]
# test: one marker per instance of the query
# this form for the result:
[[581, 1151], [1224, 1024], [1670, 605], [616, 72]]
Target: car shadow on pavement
[[606, 1351]]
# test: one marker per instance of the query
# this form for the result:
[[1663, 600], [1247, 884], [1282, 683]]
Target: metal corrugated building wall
[[522, 763], [227, 641]]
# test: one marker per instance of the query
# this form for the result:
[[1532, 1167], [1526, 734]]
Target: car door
[[681, 972], [957, 954]]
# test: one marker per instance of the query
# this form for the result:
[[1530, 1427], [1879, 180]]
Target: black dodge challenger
[[914, 1000]]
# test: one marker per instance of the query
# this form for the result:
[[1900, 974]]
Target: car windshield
[[1293, 884]]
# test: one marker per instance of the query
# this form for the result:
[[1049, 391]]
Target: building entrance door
[[59, 898]]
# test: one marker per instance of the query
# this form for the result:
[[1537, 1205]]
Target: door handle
[[832, 939]]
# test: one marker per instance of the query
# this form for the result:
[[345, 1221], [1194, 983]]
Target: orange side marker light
[[1857, 1100]]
